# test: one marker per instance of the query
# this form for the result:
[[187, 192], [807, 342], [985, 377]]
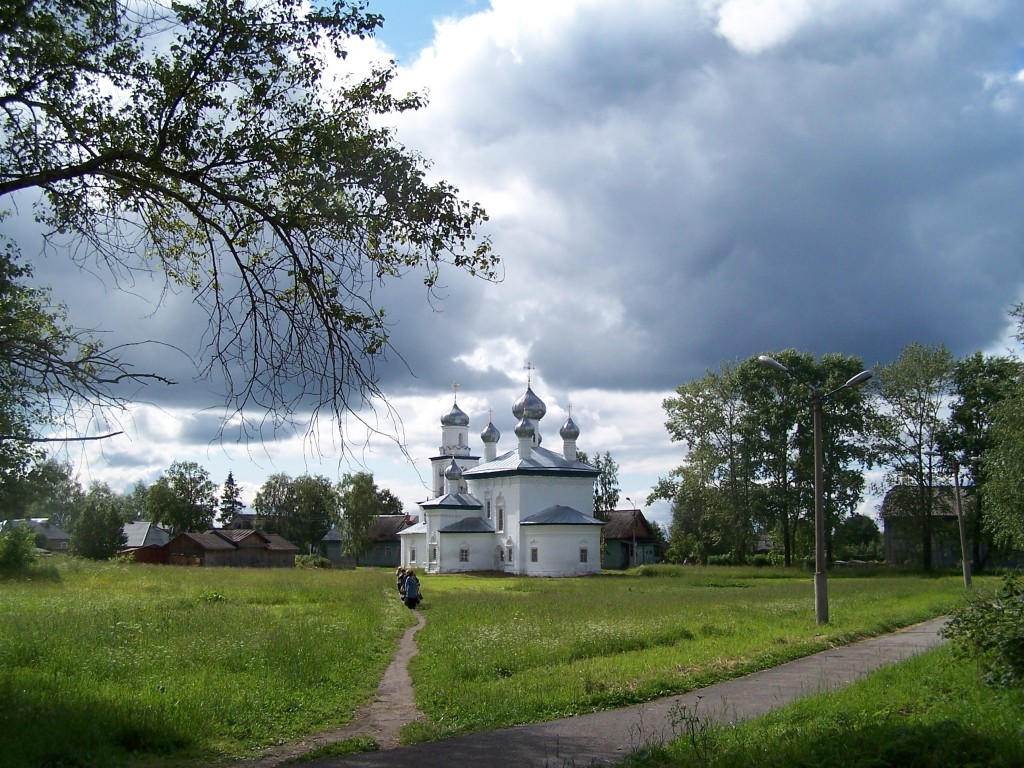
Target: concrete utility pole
[[817, 397]]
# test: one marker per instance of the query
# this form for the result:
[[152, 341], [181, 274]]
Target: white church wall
[[558, 550]]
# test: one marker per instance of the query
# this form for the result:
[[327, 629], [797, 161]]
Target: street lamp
[[817, 396]]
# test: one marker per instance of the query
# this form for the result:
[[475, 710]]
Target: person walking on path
[[411, 589]]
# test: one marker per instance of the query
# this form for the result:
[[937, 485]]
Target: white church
[[528, 511]]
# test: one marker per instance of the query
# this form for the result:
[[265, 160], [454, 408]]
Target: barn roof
[[903, 501], [386, 527], [627, 524], [144, 534], [208, 540]]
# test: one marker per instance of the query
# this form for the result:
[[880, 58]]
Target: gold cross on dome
[[529, 368], [455, 389]]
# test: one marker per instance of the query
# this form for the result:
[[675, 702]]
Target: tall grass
[[127, 664], [504, 651], [120, 664], [931, 711]]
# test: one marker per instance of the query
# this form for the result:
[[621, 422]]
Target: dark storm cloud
[[850, 188]]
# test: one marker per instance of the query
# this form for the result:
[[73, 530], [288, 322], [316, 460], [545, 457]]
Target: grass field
[[113, 664], [932, 711]]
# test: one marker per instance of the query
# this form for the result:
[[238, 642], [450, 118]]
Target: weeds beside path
[[392, 708]]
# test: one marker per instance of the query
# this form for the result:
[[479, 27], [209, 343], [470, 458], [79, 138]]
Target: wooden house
[[384, 547], [903, 513], [629, 540], [238, 548], [49, 536]]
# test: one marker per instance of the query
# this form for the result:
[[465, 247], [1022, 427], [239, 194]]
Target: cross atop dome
[[529, 368]]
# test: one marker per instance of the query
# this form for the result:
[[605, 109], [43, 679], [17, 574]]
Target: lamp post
[[817, 396]]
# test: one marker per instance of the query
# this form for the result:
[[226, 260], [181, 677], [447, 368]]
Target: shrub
[[17, 549], [312, 561], [991, 630]]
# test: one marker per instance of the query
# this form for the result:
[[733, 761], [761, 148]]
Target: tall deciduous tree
[[209, 140], [707, 415], [53, 492], [1003, 465], [606, 485], [981, 384], [99, 532], [183, 498], [361, 502], [314, 508], [912, 393], [48, 372]]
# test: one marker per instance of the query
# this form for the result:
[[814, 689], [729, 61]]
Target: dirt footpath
[[393, 707]]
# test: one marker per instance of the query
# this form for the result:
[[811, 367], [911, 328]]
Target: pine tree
[[230, 501]]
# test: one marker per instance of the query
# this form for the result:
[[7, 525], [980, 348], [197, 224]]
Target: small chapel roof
[[560, 515], [453, 501], [469, 525]]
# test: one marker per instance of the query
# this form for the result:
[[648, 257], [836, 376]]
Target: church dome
[[569, 430], [456, 417], [490, 433], [529, 406], [454, 472], [525, 428]]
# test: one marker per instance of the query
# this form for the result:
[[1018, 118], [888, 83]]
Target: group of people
[[408, 587]]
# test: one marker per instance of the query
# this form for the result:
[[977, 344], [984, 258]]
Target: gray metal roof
[[144, 534], [560, 515], [541, 461], [453, 501], [469, 525]]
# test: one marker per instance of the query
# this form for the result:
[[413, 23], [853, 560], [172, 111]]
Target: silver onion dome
[[456, 417], [490, 433], [525, 428], [454, 472], [529, 406], [569, 430]]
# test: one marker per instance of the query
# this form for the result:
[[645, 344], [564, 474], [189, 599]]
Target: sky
[[672, 184]]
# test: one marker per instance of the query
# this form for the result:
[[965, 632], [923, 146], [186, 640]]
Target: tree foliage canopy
[[183, 498], [209, 141]]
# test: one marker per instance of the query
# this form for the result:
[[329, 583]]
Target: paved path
[[606, 738]]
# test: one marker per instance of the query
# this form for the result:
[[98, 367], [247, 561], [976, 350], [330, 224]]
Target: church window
[[433, 554], [510, 554], [533, 554], [464, 555], [503, 555], [501, 517], [488, 509], [583, 554], [412, 555]]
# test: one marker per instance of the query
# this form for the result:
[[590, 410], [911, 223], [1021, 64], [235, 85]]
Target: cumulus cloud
[[675, 184]]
